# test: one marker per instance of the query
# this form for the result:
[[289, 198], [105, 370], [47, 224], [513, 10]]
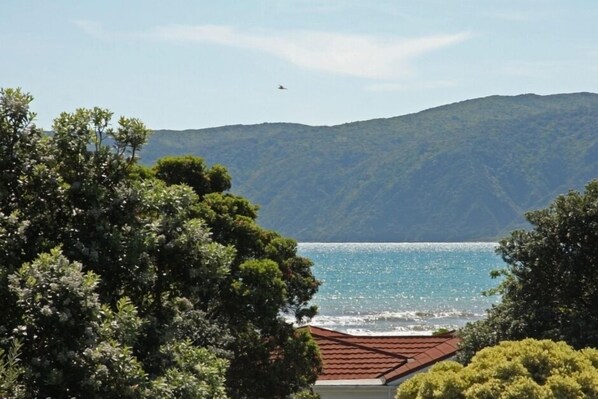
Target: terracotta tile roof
[[351, 357]]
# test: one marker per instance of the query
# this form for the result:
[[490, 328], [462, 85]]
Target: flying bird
[[281, 87]]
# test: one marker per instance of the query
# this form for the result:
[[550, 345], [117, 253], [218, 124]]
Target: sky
[[198, 64]]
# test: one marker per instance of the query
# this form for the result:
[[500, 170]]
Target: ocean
[[401, 288]]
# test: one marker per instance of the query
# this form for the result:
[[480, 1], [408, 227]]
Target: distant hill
[[461, 172]]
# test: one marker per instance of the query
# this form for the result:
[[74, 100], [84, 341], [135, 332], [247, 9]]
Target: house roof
[[387, 358]]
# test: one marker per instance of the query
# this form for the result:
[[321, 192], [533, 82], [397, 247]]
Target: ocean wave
[[395, 316], [409, 330], [395, 323]]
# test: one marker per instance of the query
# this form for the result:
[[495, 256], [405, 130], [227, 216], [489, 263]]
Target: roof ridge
[[419, 362], [403, 360], [310, 328], [390, 370], [447, 341]]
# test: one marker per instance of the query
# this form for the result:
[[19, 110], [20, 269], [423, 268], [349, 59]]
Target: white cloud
[[356, 55]]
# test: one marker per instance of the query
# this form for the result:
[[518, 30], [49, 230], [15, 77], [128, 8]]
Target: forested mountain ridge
[[464, 171]]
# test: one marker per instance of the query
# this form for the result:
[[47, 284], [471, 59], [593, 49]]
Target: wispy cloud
[[356, 55]]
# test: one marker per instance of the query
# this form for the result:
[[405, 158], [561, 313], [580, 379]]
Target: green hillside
[[465, 171]]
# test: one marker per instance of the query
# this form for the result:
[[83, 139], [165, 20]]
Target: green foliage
[[513, 369], [307, 394], [220, 180], [192, 171], [192, 373], [260, 284], [461, 172], [551, 285], [59, 313], [112, 370], [70, 345], [11, 372], [266, 278], [122, 325], [121, 284]]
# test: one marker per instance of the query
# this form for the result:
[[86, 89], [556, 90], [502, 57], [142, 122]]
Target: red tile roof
[[351, 357]]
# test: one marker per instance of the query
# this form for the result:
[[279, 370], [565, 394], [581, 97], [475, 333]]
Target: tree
[[155, 290], [74, 346], [550, 288], [266, 279], [68, 337], [530, 369], [193, 171]]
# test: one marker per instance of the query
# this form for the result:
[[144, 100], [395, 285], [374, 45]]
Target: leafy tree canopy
[[121, 281], [528, 369], [551, 282], [193, 171]]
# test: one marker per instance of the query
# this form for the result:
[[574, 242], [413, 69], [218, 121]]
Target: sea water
[[401, 288]]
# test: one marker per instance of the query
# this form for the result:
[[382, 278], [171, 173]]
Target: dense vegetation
[[528, 369], [118, 281], [466, 171], [550, 290]]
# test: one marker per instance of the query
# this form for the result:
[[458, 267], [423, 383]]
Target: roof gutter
[[352, 383]]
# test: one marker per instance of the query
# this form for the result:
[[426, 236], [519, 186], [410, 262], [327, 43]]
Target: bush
[[531, 369]]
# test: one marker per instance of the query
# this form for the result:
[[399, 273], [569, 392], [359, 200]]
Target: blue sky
[[196, 64]]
